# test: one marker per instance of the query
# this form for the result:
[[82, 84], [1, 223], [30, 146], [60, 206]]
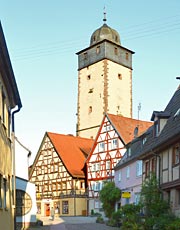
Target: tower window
[[89, 77], [98, 49], [91, 90], [90, 109], [127, 56], [119, 76], [115, 50], [85, 56]]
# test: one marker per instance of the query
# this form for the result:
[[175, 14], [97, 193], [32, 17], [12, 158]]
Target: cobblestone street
[[75, 223]]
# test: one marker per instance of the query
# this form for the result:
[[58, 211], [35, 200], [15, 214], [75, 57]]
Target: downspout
[[13, 161]]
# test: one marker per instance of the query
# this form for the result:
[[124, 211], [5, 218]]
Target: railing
[[63, 194]]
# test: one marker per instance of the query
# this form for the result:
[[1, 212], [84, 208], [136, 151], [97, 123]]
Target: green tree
[[108, 196], [156, 210]]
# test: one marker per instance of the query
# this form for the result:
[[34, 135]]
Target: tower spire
[[104, 19]]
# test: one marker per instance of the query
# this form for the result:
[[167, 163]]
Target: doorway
[[47, 209]]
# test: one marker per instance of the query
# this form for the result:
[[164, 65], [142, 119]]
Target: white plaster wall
[[29, 188], [21, 161]]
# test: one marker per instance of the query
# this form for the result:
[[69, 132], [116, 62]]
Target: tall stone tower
[[104, 80]]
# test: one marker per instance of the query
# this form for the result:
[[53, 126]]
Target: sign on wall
[[126, 194]]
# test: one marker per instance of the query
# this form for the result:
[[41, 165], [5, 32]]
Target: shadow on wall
[[25, 203]]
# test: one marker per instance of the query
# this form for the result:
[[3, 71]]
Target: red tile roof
[[125, 126], [72, 151]]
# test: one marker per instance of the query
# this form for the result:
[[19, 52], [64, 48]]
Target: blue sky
[[43, 38]]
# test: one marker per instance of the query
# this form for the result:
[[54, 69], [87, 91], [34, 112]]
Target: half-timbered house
[[161, 152], [109, 147], [58, 174]]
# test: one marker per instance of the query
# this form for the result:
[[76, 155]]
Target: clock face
[[23, 202]]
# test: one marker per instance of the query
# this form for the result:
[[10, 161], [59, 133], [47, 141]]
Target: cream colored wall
[[6, 215], [119, 93], [94, 99]]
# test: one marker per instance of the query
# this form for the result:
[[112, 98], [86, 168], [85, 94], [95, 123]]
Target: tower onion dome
[[105, 32]]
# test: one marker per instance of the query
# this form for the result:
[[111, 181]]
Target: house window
[[129, 152], [5, 192], [119, 176], [144, 140], [127, 201], [98, 166], [46, 169], [108, 127], [94, 167], [90, 109], [114, 144], [65, 207], [3, 106], [97, 186], [176, 154], [56, 167], [108, 165], [46, 186], [127, 172], [98, 49], [153, 165], [178, 197], [156, 128], [137, 198], [54, 186], [147, 169], [101, 147], [139, 168], [96, 204], [52, 167]]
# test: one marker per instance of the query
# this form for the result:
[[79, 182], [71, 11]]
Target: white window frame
[[139, 168], [101, 146], [119, 176], [127, 172]]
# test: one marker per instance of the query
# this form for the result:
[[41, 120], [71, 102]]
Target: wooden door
[[47, 209]]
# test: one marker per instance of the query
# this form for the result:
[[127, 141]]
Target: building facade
[[128, 172], [10, 103], [108, 148], [58, 175], [104, 80], [161, 152]]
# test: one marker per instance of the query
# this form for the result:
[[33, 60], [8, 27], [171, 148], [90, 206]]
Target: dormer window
[[156, 128], [129, 152], [177, 113], [144, 140]]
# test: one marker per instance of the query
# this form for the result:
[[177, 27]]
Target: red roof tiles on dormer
[[125, 126], [72, 151]]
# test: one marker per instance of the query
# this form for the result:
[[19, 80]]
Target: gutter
[[13, 161]]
